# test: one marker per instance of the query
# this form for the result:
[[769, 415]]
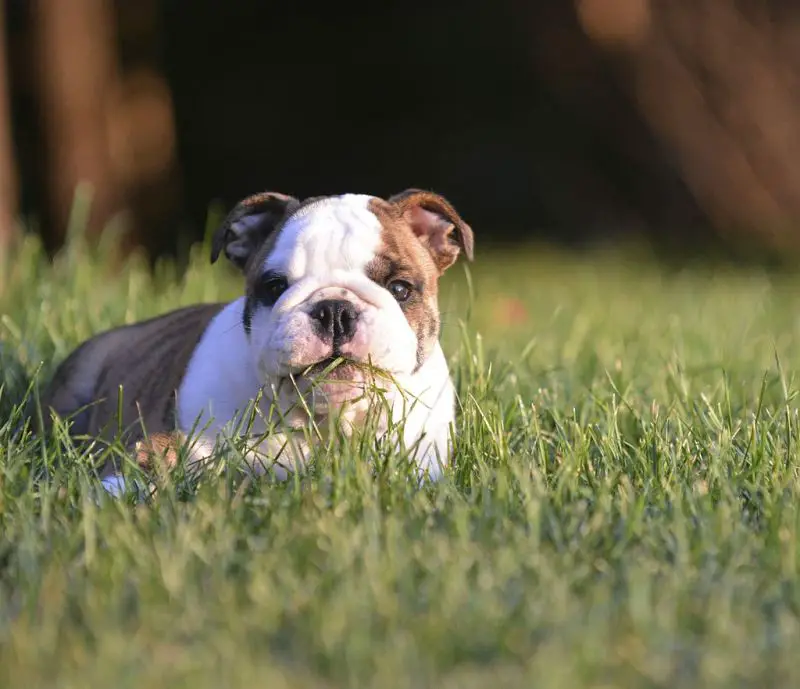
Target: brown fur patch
[[159, 450], [402, 256], [437, 224]]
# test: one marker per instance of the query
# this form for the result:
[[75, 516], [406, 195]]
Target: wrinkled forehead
[[336, 233]]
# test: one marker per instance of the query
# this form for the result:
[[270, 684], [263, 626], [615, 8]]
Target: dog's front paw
[[158, 451]]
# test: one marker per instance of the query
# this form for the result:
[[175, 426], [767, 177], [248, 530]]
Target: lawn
[[622, 511]]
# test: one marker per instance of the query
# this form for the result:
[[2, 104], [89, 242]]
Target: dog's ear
[[249, 224], [437, 224]]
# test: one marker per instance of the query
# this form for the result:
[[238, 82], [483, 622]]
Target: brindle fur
[[85, 387]]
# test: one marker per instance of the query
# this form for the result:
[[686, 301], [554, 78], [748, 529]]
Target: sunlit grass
[[622, 511]]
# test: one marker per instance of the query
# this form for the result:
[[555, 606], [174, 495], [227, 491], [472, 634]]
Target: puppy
[[348, 279]]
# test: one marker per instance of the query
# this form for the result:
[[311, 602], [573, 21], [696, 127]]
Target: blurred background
[[573, 121]]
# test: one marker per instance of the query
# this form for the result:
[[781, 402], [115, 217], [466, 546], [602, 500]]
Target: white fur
[[221, 382], [323, 251], [114, 485], [336, 233]]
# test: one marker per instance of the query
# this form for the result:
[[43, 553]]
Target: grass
[[623, 509]]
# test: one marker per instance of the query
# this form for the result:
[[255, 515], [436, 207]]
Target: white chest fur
[[222, 380]]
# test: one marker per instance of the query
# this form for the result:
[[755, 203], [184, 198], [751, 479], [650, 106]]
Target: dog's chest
[[220, 379]]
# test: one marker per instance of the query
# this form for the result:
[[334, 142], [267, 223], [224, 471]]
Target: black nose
[[335, 319]]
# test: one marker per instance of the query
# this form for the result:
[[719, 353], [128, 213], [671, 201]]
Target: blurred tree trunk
[[719, 85], [77, 72], [8, 176], [714, 83]]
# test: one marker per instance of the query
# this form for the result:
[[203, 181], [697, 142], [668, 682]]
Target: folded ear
[[437, 224], [249, 224]]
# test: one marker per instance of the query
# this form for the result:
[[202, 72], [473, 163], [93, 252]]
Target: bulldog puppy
[[348, 279]]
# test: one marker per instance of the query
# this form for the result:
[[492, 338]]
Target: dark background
[[583, 121]]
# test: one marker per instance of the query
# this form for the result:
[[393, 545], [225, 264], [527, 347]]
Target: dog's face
[[347, 278]]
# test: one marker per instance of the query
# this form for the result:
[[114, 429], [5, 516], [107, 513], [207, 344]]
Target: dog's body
[[349, 277]]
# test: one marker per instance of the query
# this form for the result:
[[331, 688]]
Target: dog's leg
[[158, 451]]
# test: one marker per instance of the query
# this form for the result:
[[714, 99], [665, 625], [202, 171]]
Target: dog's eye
[[269, 290], [400, 290]]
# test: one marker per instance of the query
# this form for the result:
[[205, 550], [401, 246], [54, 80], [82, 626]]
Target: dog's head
[[351, 278]]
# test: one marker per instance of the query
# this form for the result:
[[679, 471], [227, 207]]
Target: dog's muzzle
[[335, 321]]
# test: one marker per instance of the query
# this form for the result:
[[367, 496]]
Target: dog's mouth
[[332, 368], [339, 368], [334, 380]]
